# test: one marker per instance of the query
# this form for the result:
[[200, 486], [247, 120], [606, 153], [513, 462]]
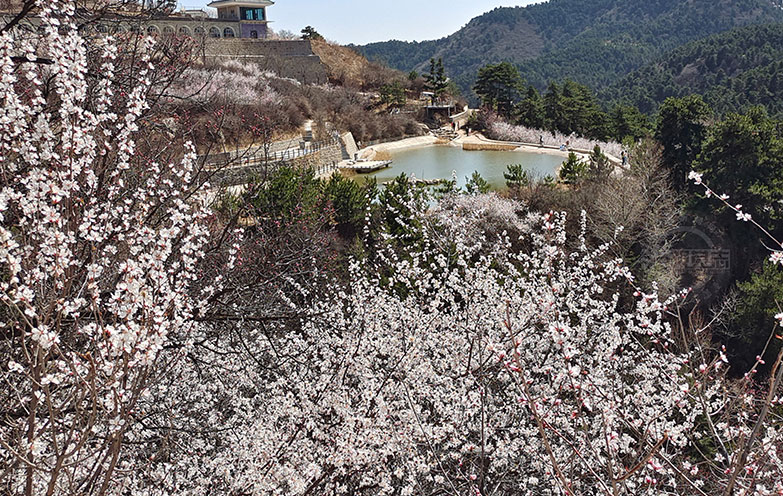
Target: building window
[[168, 30], [199, 31], [228, 33], [254, 34], [153, 31], [184, 31], [248, 14], [214, 33]]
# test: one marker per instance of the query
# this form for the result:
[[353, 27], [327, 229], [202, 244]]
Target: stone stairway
[[445, 133]]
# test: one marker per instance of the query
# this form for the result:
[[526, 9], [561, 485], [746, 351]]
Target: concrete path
[[370, 152]]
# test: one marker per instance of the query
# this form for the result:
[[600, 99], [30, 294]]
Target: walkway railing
[[279, 151], [241, 166]]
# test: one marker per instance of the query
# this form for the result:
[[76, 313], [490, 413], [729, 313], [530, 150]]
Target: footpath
[[477, 141]]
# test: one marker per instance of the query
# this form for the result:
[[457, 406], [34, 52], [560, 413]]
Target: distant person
[[541, 141], [568, 145], [563, 147], [625, 158]]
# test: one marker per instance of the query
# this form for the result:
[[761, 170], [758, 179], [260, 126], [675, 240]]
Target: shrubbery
[[234, 97]]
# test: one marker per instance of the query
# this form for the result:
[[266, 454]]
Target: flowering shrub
[[237, 96], [475, 369], [503, 131], [203, 85]]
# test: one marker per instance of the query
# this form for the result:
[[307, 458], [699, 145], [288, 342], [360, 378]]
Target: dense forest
[[732, 70], [593, 43]]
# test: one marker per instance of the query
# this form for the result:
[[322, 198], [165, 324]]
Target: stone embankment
[[478, 142], [287, 58], [371, 152]]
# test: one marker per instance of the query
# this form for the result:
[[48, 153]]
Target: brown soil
[[341, 61]]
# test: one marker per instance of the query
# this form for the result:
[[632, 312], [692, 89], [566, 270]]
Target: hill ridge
[[732, 70], [595, 42]]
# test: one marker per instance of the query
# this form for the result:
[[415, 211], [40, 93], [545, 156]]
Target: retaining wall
[[287, 58], [476, 147], [260, 48], [349, 147]]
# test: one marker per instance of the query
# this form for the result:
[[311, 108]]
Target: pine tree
[[499, 86], [682, 127], [530, 112], [476, 184], [573, 170], [437, 82], [600, 166], [309, 33], [517, 177]]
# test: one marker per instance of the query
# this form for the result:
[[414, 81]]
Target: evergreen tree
[[573, 108], [499, 86], [289, 193], [309, 33], [627, 122], [554, 108], [600, 166], [476, 184], [447, 187], [437, 82], [681, 129], [573, 170], [517, 177], [530, 112], [742, 156], [582, 113], [393, 94], [758, 301], [348, 201]]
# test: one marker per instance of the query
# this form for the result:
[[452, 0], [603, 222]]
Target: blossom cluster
[[99, 248], [466, 366], [203, 85], [776, 256]]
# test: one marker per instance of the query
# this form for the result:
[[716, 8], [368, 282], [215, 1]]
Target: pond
[[438, 162]]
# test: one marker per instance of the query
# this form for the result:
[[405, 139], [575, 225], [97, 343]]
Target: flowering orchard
[[469, 368], [479, 350]]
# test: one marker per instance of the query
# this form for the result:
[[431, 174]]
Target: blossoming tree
[[99, 245]]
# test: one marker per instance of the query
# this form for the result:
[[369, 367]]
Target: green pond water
[[438, 162]]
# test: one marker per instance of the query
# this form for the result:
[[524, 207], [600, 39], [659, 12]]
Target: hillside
[[594, 42], [733, 70], [347, 67]]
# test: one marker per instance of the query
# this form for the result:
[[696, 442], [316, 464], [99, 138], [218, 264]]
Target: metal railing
[[280, 151], [233, 168]]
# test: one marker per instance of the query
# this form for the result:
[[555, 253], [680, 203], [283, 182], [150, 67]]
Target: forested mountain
[[732, 70], [594, 42]]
